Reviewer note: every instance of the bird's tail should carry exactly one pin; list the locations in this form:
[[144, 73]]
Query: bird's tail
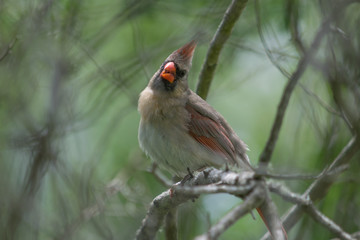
[[264, 218]]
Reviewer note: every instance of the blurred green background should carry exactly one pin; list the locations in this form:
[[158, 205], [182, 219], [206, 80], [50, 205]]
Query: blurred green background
[[70, 76]]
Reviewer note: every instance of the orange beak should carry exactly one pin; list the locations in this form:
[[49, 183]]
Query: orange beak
[[169, 72]]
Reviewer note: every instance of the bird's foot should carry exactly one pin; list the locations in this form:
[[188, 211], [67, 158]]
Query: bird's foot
[[187, 177]]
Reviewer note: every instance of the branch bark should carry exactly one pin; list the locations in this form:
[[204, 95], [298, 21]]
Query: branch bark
[[214, 181], [327, 223], [221, 36]]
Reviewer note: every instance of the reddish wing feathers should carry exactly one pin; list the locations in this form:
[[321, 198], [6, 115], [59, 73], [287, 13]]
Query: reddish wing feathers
[[210, 134]]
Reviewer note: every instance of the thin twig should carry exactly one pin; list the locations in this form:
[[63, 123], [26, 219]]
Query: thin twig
[[8, 49], [264, 43], [301, 49], [294, 26], [322, 103], [160, 177], [327, 223], [335, 84], [304, 177], [222, 34], [269, 53], [287, 195]]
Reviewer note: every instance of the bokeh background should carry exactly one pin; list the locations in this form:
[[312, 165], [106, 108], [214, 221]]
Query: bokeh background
[[70, 76]]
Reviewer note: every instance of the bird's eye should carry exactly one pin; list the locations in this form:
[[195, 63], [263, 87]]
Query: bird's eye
[[181, 73]]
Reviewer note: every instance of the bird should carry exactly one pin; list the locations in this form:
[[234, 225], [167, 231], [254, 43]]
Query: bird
[[179, 130]]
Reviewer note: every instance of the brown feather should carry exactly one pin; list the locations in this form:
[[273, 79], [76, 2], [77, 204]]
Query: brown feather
[[210, 134], [208, 127]]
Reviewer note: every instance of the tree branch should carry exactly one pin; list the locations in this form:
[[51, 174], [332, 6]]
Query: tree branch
[[319, 188], [209, 189], [156, 213], [239, 184], [327, 223], [221, 36], [304, 176], [310, 209], [265, 156], [254, 200]]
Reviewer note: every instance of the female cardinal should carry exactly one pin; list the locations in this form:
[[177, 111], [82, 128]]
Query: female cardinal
[[178, 129]]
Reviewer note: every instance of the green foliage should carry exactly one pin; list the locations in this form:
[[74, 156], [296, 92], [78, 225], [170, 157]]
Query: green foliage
[[70, 76]]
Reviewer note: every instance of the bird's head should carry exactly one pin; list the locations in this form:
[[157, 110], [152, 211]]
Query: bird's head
[[172, 76]]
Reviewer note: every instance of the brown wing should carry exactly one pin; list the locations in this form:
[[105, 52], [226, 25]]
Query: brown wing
[[211, 134]]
